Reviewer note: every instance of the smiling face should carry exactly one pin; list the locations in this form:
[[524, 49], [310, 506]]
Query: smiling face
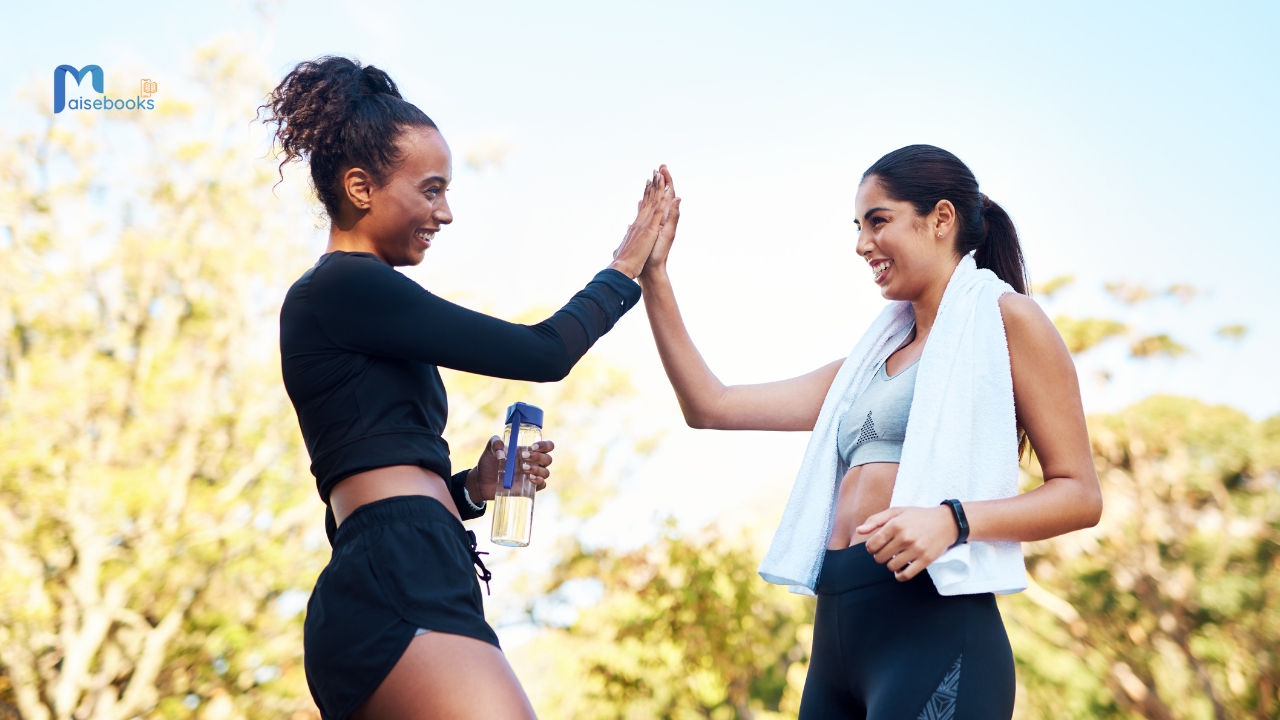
[[909, 253], [403, 215]]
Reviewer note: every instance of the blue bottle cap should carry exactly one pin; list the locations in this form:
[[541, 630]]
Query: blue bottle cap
[[518, 414], [531, 414]]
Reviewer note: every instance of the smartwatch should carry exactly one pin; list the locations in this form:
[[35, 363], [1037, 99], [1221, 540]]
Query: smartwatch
[[961, 521]]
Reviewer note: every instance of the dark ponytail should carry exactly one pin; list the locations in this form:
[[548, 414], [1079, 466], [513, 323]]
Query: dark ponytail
[[338, 114], [923, 175]]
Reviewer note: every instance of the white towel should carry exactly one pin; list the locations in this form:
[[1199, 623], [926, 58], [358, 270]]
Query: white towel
[[961, 442]]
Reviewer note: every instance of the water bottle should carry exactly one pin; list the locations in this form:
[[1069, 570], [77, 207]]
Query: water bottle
[[513, 501]]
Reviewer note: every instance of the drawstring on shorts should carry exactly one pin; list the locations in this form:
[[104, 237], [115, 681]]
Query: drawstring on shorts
[[482, 572]]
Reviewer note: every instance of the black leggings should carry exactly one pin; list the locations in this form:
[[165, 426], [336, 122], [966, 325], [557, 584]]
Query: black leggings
[[889, 650]]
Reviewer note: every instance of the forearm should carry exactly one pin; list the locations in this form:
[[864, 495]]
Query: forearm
[[698, 390], [1059, 506]]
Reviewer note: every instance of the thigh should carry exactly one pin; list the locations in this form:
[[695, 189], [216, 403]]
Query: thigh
[[827, 690], [446, 677], [960, 671]]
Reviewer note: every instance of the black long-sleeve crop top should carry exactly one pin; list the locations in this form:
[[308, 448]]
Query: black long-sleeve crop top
[[360, 345]]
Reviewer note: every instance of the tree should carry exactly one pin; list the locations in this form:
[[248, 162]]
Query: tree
[[685, 628], [1170, 608], [156, 505]]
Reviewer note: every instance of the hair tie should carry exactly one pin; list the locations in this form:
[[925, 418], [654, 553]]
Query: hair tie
[[986, 202]]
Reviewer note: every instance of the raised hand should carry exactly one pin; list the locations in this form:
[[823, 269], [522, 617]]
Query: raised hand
[[637, 244], [667, 233]]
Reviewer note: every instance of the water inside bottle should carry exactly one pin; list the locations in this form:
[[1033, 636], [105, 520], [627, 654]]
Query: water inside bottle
[[512, 518]]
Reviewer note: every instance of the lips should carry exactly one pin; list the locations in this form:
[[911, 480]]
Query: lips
[[880, 269], [425, 237]]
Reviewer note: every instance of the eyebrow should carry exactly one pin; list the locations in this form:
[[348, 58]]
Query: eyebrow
[[434, 178], [867, 215]]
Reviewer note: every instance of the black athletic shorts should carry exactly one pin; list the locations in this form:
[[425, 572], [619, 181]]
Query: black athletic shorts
[[889, 650], [399, 565]]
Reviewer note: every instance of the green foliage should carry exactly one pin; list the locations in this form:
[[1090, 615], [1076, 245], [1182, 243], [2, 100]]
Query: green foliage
[[1233, 332], [1170, 607], [155, 501], [686, 629], [1052, 286], [1082, 334], [1154, 345]]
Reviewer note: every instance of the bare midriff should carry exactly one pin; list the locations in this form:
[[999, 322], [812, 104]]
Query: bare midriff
[[385, 482], [864, 491]]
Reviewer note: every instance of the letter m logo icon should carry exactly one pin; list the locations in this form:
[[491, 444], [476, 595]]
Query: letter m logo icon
[[60, 85]]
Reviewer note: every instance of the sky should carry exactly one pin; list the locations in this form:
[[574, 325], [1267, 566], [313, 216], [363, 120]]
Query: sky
[[1130, 142]]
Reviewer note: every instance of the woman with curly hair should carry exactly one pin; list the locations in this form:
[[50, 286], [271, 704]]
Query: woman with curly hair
[[395, 627]]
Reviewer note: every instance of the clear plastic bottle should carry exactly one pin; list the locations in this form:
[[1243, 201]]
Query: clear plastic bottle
[[513, 501]]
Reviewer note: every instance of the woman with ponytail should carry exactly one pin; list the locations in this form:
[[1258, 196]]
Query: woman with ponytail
[[395, 627], [905, 518]]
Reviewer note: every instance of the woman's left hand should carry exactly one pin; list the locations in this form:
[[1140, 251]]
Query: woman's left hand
[[534, 462], [907, 539]]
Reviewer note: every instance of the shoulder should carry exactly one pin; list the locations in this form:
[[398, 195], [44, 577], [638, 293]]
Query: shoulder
[[339, 263], [345, 272], [1025, 322]]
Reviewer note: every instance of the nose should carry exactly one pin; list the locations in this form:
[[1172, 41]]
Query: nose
[[864, 245], [442, 214]]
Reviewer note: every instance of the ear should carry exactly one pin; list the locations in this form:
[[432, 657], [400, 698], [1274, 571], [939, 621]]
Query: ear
[[358, 187], [943, 219]]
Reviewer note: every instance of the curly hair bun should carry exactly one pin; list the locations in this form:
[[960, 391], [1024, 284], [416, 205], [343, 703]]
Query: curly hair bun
[[338, 114]]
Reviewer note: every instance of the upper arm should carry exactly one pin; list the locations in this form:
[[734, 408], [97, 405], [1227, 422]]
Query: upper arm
[[791, 404], [1046, 391], [377, 311]]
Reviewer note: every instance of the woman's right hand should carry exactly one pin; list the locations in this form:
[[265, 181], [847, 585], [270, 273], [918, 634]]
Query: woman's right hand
[[667, 233], [629, 259]]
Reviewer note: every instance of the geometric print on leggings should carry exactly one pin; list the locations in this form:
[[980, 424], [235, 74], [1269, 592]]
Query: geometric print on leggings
[[942, 706]]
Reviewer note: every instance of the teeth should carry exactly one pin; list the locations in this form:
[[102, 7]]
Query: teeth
[[878, 270]]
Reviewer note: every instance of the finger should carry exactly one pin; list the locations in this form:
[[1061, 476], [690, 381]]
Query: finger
[[875, 522], [901, 560], [496, 447], [915, 568], [673, 214], [894, 546], [536, 458], [544, 446], [534, 471], [538, 483], [667, 175]]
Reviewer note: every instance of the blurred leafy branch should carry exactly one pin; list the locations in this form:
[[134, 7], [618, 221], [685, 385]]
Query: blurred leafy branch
[[1083, 334]]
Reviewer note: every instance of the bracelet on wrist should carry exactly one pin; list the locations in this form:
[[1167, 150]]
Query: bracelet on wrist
[[962, 523], [474, 508]]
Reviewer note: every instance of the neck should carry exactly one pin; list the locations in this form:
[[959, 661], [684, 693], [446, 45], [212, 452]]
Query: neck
[[350, 241], [925, 307]]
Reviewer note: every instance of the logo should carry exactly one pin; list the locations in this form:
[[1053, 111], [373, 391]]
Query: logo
[[97, 81]]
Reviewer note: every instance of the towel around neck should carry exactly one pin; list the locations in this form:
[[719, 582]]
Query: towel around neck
[[961, 441]]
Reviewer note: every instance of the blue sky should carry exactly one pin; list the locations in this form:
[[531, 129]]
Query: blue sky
[[1129, 141]]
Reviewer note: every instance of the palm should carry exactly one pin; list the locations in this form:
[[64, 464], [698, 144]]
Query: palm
[[667, 233]]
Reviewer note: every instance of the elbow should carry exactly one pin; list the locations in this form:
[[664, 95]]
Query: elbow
[[1092, 510], [697, 422], [697, 418], [549, 372]]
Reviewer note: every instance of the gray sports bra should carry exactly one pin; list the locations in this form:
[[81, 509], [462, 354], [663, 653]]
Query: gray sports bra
[[876, 424]]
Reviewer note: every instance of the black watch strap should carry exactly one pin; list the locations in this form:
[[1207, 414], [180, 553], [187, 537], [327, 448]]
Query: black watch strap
[[961, 521]]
